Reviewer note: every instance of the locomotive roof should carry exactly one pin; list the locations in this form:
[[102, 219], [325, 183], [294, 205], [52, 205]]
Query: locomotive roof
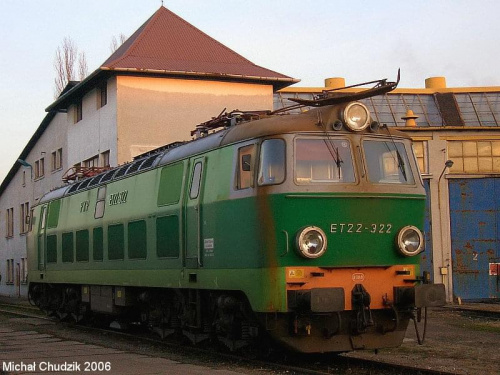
[[265, 127]]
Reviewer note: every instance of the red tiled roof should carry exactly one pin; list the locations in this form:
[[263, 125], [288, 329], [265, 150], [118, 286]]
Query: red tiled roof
[[168, 44]]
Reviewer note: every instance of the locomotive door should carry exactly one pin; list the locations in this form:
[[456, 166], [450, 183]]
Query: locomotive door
[[194, 215], [41, 238]]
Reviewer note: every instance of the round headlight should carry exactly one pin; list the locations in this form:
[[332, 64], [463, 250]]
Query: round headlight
[[311, 242], [410, 241], [357, 116]]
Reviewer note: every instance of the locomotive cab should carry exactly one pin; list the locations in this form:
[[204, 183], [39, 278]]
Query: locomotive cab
[[346, 201]]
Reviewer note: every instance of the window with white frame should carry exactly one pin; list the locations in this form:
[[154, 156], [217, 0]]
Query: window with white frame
[[421, 152], [471, 156]]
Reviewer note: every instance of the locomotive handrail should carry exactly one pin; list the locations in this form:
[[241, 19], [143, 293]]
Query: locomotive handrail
[[287, 247]]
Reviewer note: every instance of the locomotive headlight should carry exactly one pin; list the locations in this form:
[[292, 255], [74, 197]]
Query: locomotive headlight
[[356, 116], [410, 241], [311, 242]]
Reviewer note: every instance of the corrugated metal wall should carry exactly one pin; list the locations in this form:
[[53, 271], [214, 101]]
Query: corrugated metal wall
[[475, 241]]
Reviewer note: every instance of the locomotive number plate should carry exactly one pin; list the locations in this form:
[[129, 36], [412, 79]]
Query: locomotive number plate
[[379, 228]]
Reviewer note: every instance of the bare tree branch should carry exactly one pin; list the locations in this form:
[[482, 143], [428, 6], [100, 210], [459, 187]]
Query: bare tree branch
[[64, 64], [116, 43], [82, 66]]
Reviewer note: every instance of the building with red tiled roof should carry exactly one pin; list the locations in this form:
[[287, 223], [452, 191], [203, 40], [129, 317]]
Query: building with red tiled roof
[[168, 46], [166, 78], [153, 90]]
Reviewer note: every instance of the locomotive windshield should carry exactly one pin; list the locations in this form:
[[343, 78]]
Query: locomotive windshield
[[323, 161], [272, 162], [387, 162]]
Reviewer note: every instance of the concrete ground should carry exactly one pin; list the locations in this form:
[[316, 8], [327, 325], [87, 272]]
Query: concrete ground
[[26, 351], [461, 339]]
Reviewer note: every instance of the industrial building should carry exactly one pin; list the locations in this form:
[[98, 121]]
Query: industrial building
[[144, 95], [460, 125]]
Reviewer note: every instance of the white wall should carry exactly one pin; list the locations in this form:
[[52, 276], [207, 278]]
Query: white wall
[[16, 194], [96, 132]]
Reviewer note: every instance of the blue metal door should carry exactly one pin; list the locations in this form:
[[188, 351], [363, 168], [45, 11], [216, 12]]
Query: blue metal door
[[426, 263], [475, 241]]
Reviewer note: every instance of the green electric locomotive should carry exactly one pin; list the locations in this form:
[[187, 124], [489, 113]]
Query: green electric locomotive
[[305, 228]]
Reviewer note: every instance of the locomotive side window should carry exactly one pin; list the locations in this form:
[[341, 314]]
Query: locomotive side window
[[272, 162], [44, 217], [245, 167], [82, 245], [116, 242], [53, 216], [137, 240], [52, 248], [323, 161], [169, 191], [387, 163], [67, 247], [167, 236], [195, 182], [97, 243]]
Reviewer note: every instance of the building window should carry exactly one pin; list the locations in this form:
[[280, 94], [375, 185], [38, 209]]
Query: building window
[[78, 111], [421, 152], [57, 160], [24, 218], [474, 156], [92, 162], [10, 271], [102, 95], [479, 109], [10, 222], [105, 159], [24, 271], [24, 178], [40, 168]]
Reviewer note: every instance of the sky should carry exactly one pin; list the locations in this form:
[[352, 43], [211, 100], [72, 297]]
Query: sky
[[306, 39]]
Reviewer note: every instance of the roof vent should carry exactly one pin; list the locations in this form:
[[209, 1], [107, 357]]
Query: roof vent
[[410, 118], [335, 82], [435, 83]]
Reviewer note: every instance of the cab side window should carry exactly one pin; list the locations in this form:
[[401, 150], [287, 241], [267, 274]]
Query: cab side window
[[246, 157]]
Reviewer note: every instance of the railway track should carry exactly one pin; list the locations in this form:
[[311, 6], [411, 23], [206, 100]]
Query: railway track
[[278, 362]]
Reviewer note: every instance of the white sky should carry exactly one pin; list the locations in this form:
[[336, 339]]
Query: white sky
[[306, 39]]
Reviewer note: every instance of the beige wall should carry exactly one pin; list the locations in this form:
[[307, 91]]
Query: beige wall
[[155, 111]]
